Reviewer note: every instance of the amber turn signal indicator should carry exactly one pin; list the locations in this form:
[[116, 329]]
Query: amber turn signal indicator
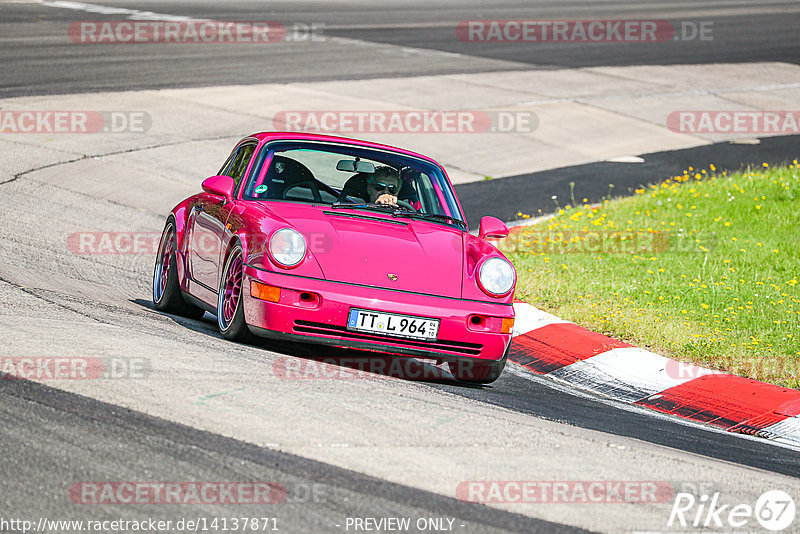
[[507, 327], [264, 291]]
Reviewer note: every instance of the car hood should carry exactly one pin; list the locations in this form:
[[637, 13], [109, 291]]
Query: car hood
[[374, 249]]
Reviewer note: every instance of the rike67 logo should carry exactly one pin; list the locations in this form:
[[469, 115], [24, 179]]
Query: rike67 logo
[[774, 511]]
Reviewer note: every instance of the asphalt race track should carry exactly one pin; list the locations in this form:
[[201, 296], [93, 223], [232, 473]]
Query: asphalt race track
[[50, 418], [745, 32], [189, 406]]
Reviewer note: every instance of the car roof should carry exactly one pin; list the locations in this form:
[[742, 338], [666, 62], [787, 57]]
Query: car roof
[[305, 136]]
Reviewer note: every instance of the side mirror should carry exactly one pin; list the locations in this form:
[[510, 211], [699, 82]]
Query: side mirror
[[221, 186], [492, 227]]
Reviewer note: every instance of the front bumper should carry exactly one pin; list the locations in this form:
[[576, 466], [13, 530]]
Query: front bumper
[[315, 311]]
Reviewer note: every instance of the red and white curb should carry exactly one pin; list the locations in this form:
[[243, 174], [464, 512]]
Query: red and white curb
[[547, 345]]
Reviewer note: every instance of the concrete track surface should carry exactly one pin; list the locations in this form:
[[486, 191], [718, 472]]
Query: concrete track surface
[[199, 408]]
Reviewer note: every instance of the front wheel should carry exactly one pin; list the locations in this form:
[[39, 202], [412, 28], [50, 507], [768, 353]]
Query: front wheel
[[230, 305], [476, 371], [167, 295]]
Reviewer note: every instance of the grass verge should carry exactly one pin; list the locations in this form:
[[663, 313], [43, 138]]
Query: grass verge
[[702, 268]]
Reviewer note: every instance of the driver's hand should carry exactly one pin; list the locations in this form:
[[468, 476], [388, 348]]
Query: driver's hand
[[387, 199]]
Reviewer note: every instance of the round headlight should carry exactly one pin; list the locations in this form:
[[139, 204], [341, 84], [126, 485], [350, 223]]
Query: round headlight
[[496, 276], [287, 247]]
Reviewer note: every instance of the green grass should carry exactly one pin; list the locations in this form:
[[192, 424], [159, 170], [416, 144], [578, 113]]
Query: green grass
[[702, 268]]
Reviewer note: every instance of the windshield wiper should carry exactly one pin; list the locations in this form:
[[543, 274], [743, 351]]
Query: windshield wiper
[[363, 206], [434, 216], [399, 211]]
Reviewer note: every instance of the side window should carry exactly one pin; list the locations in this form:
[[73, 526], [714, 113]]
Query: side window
[[226, 165], [238, 164]]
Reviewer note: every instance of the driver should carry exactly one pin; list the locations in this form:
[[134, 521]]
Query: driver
[[383, 186]]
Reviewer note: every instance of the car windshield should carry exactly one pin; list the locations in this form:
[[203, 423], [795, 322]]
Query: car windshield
[[350, 177]]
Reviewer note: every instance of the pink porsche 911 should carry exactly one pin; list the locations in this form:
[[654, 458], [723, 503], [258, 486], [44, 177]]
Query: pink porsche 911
[[328, 240]]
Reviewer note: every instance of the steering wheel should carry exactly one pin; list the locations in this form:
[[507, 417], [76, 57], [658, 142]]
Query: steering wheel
[[406, 205]]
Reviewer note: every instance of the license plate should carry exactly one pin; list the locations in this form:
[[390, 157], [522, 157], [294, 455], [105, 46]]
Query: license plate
[[392, 324]]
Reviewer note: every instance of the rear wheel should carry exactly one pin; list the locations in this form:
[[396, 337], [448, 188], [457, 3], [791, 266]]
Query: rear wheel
[[230, 305], [476, 371], [167, 295]]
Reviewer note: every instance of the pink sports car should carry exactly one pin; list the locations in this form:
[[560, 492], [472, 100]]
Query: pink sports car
[[328, 240]]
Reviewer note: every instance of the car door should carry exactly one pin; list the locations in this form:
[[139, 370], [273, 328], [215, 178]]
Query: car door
[[207, 223]]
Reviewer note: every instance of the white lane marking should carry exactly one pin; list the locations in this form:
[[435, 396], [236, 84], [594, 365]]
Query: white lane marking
[[745, 141], [133, 14], [626, 159], [627, 374], [405, 51], [528, 318], [569, 389]]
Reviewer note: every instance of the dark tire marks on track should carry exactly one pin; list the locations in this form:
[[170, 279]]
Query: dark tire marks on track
[[53, 439], [534, 398]]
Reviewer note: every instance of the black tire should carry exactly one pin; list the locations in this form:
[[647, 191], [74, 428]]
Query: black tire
[[477, 372], [232, 324], [167, 295]]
